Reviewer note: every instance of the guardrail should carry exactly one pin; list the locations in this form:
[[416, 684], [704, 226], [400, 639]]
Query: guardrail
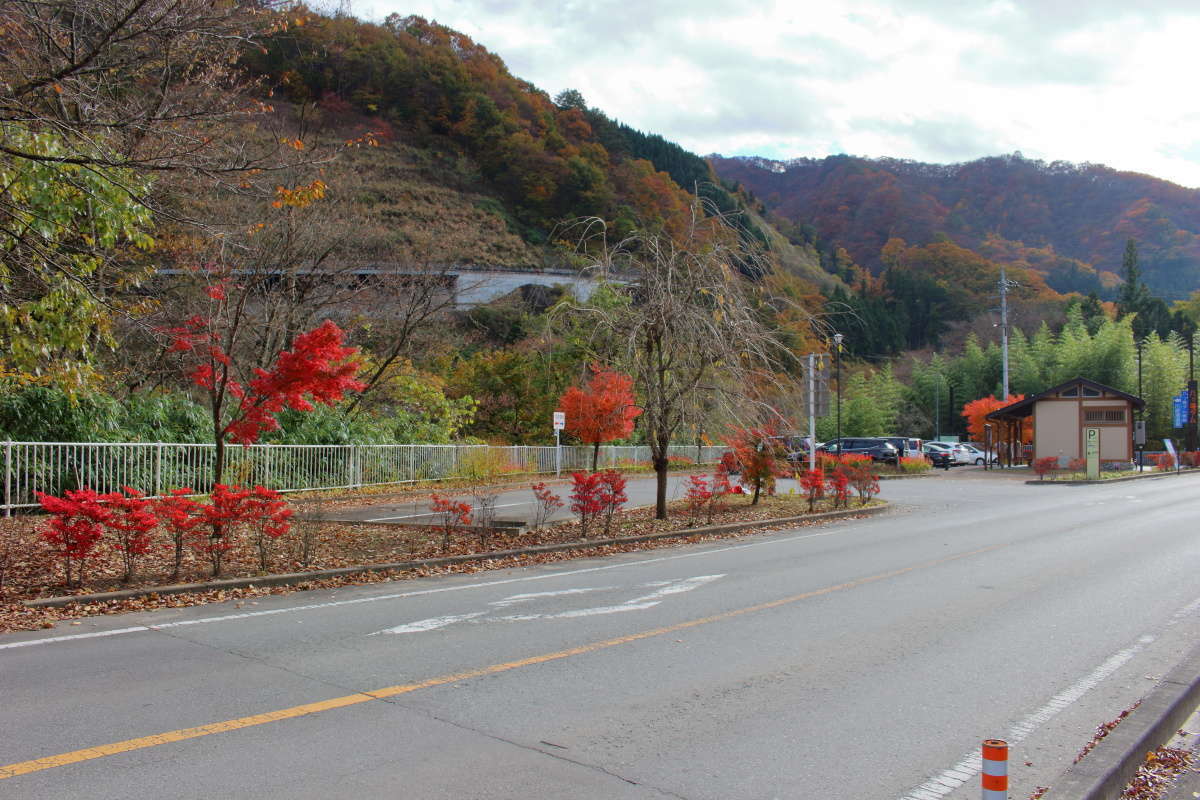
[[158, 467]]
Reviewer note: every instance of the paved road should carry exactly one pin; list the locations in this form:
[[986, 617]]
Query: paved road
[[859, 659]]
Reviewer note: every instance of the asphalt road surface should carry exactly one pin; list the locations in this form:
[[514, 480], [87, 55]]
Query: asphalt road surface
[[859, 659]]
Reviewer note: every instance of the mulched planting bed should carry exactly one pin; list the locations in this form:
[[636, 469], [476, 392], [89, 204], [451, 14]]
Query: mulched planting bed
[[29, 571]]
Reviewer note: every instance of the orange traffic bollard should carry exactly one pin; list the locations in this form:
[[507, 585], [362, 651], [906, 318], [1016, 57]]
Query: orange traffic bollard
[[995, 769]]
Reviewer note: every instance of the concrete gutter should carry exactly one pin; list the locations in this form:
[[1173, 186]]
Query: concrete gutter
[[293, 578], [1105, 772]]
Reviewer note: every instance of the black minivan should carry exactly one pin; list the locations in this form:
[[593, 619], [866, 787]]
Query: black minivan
[[878, 448]]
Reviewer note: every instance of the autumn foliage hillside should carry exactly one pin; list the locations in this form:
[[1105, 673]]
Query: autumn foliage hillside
[[435, 89], [1067, 221]]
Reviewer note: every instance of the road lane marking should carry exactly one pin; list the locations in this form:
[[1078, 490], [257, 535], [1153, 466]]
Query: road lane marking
[[664, 589], [514, 599], [971, 764], [431, 624], [415, 593], [143, 742]]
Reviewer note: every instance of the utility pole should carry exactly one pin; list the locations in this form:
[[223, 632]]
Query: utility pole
[[812, 412], [1141, 411], [1005, 285], [937, 409], [1191, 386], [837, 374]]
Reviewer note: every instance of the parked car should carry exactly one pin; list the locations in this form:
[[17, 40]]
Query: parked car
[[907, 445], [877, 448], [978, 456], [795, 447], [939, 454]]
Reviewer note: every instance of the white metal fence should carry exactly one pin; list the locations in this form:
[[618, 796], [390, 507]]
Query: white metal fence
[[156, 468]]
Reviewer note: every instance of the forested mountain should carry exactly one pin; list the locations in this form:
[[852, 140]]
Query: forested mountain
[[1068, 221], [532, 161]]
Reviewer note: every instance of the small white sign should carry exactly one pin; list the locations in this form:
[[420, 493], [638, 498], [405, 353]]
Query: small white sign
[[560, 420]]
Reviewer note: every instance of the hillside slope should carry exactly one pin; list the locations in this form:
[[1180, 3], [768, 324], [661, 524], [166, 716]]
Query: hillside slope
[[1068, 221]]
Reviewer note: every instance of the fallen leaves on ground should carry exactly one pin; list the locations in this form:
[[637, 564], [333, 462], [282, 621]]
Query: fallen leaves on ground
[[1104, 730], [30, 571], [1158, 773]]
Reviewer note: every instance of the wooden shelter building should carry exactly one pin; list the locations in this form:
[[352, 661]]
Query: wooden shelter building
[[1062, 413]]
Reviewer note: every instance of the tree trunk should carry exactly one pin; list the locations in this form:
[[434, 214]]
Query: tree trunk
[[660, 476], [219, 460], [218, 530], [595, 455]]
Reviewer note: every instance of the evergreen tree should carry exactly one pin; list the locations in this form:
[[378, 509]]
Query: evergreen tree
[[1134, 294]]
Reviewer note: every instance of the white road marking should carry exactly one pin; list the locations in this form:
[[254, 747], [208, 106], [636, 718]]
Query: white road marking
[[430, 624], [665, 589], [416, 593], [636, 604], [512, 600], [940, 785]]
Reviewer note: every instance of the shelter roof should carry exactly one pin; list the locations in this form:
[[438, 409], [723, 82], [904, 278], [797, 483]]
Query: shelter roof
[[1024, 408]]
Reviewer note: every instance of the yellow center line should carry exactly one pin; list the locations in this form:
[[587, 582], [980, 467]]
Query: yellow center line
[[140, 743]]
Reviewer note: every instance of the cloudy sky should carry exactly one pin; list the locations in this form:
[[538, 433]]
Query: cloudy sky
[[1105, 81]]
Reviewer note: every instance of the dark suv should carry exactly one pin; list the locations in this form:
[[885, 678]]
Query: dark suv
[[877, 448], [907, 446]]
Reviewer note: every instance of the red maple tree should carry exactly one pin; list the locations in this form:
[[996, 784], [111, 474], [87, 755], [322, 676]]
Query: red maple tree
[[602, 411], [318, 368]]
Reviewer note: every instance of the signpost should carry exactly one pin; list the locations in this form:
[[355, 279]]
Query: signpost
[[1171, 450], [1091, 449], [560, 422], [818, 401], [1139, 441]]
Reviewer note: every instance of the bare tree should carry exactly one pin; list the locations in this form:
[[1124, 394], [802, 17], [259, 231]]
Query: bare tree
[[693, 331], [139, 84], [112, 105]]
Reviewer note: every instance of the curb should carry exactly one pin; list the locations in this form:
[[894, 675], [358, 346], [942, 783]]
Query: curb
[[1107, 770], [1125, 479], [292, 578]]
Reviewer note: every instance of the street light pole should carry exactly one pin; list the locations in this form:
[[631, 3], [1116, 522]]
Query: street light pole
[[1142, 410], [837, 376]]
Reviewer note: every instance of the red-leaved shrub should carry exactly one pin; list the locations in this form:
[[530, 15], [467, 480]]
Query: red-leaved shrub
[[612, 495], [587, 489], [839, 483], [131, 519], [179, 515], [451, 515], [547, 503], [1043, 465], [75, 526]]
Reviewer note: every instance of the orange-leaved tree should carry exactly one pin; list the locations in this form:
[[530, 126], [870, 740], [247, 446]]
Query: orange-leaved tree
[[976, 411], [761, 455], [602, 411]]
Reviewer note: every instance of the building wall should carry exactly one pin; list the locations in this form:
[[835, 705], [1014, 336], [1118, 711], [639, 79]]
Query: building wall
[[1056, 429], [1115, 444]]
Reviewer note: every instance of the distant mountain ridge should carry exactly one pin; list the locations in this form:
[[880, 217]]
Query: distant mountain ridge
[[1068, 221]]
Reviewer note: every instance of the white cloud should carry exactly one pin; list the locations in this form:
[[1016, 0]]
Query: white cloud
[[935, 80]]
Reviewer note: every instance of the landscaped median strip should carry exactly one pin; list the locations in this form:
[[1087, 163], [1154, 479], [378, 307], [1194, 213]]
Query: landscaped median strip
[[292, 578], [141, 743]]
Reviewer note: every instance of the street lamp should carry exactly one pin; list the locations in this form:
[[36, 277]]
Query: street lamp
[[1138, 341], [837, 377]]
